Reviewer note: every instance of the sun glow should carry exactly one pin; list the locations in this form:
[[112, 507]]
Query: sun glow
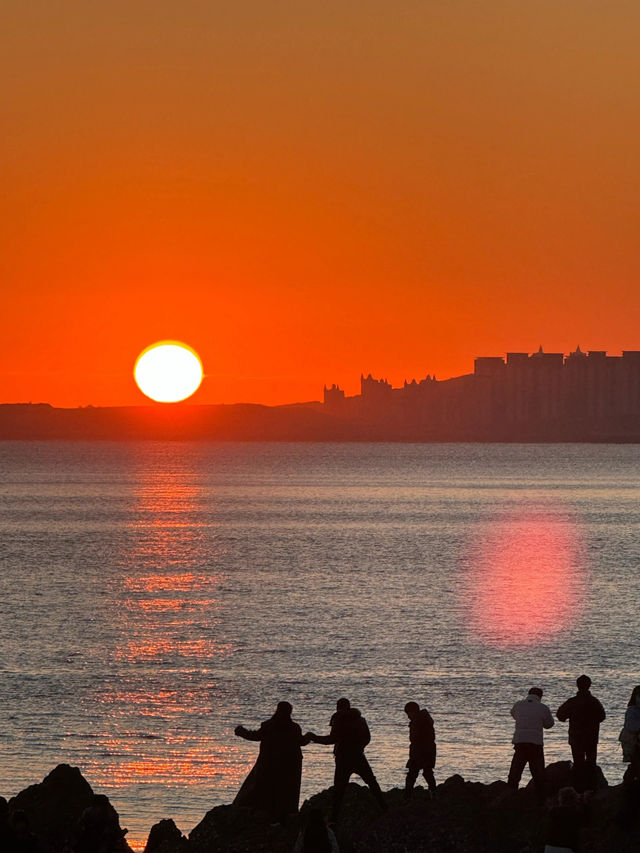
[[168, 371], [527, 579]]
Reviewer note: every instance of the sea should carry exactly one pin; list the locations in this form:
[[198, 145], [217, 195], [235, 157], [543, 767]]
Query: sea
[[153, 596]]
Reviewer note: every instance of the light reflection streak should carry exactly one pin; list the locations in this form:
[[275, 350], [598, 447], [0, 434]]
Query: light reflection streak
[[177, 762], [527, 578], [174, 582], [167, 626], [162, 605], [154, 649]]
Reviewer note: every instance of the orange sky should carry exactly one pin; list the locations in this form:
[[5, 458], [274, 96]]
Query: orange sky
[[303, 191]]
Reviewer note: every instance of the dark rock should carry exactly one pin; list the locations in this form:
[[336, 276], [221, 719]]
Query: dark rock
[[560, 774], [464, 817], [165, 837], [54, 806], [235, 829]]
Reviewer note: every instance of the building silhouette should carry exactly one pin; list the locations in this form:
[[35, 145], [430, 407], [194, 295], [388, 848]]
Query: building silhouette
[[544, 396]]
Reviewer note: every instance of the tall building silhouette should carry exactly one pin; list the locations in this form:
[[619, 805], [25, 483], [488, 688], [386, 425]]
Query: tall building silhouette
[[539, 396]]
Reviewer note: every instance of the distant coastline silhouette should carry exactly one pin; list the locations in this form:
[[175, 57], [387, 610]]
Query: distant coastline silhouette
[[538, 397]]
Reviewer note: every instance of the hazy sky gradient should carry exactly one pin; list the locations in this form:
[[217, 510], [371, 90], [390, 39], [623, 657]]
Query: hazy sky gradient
[[303, 191]]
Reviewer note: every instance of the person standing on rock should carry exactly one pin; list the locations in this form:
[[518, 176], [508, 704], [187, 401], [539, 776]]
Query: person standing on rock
[[585, 713], [349, 735], [531, 717], [422, 748], [273, 785], [630, 737]]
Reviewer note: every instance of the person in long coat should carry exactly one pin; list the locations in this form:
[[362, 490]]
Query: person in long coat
[[273, 784]]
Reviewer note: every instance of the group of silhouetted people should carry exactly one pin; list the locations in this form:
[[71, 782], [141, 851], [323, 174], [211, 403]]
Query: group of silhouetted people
[[273, 785], [584, 713]]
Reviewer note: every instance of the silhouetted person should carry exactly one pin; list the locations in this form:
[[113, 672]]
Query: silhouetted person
[[422, 748], [585, 713], [273, 784], [630, 737], [24, 841], [98, 829], [531, 718], [350, 735], [564, 823], [316, 837], [630, 741]]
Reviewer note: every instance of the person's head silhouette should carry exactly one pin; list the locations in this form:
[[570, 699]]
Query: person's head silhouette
[[412, 709]]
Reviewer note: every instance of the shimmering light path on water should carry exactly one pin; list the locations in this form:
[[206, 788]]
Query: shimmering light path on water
[[153, 596]]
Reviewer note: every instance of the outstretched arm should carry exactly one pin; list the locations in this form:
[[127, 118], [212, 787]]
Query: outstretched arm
[[326, 739], [240, 731]]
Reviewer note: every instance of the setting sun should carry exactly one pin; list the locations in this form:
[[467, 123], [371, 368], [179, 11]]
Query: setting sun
[[168, 371]]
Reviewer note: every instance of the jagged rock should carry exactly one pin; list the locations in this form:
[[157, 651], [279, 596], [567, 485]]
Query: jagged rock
[[165, 837], [560, 774], [235, 829], [464, 817], [54, 806]]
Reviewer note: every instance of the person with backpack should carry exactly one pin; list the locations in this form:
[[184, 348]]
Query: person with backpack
[[350, 736]]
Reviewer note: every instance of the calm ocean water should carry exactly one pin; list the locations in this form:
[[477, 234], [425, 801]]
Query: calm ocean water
[[153, 596]]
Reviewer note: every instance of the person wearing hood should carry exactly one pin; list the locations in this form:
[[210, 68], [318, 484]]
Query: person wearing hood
[[585, 713], [349, 735], [531, 717], [273, 785]]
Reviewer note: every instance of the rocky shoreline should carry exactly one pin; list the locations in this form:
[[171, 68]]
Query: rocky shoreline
[[464, 817]]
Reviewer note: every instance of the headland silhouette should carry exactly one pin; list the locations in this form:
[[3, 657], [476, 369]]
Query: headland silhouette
[[540, 397]]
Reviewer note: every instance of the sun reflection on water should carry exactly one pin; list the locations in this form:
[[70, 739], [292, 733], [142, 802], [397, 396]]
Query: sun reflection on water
[[155, 729], [527, 578], [174, 582]]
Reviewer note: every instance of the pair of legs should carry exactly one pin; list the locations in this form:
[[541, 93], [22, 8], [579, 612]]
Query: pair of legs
[[533, 755], [584, 754], [345, 768], [413, 771]]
